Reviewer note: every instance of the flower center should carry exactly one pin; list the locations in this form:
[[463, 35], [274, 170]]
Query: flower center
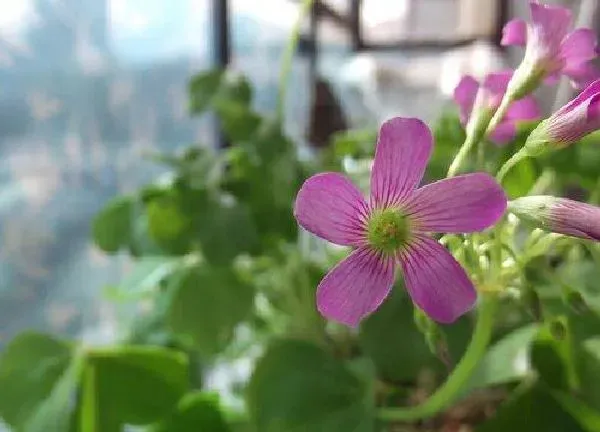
[[388, 230]]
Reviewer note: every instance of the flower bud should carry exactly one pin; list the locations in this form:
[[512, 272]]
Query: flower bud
[[559, 215], [569, 124], [477, 103]]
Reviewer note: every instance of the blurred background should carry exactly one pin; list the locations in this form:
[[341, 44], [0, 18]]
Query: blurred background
[[88, 87]]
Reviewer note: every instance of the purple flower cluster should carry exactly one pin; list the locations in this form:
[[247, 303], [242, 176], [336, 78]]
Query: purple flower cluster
[[392, 228], [551, 48]]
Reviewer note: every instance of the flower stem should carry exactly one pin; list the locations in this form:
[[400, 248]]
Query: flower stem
[[481, 155], [499, 114], [460, 158], [288, 57], [451, 389], [514, 160]]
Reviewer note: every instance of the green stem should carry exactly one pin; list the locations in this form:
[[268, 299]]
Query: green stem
[[499, 114], [497, 249], [460, 158], [288, 57], [451, 389], [514, 160], [544, 182], [481, 155]]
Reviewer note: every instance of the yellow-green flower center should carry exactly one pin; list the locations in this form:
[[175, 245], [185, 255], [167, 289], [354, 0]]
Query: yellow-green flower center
[[388, 230]]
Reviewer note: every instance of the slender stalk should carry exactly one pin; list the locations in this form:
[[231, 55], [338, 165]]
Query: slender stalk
[[453, 386], [463, 152], [288, 57], [514, 160], [481, 155], [497, 249], [499, 114]]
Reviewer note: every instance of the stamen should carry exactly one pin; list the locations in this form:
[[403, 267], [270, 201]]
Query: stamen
[[388, 230]]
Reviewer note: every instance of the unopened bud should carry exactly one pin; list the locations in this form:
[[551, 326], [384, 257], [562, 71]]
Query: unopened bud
[[569, 124], [559, 215]]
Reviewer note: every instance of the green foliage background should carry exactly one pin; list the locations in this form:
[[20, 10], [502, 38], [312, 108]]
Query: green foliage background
[[226, 274]]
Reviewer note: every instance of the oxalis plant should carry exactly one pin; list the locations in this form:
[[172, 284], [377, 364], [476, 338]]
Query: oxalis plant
[[464, 295]]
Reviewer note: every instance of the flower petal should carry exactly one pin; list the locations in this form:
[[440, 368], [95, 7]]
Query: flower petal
[[550, 24], [566, 127], [591, 90], [524, 109], [582, 75], [462, 204], [593, 112], [495, 85], [356, 286], [579, 46], [514, 33], [435, 281], [403, 149], [464, 96], [504, 133], [553, 78], [331, 207], [496, 82]]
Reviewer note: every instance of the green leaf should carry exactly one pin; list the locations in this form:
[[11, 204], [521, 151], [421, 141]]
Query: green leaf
[[235, 88], [238, 121], [553, 357], [391, 338], [131, 385], [449, 135], [531, 409], [298, 387], [356, 143], [196, 412], [270, 143], [142, 244], [112, 227], [588, 418], [203, 88], [207, 304], [506, 361], [225, 230], [56, 412], [34, 377], [168, 225], [143, 279], [590, 371]]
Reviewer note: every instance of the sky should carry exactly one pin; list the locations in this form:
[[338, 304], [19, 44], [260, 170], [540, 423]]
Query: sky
[[150, 29]]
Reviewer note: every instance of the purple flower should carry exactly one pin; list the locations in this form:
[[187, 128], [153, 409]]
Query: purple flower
[[559, 215], [479, 102], [550, 48], [394, 226], [569, 124]]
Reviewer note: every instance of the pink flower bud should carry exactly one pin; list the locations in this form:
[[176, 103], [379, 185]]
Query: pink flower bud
[[559, 215], [569, 124]]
